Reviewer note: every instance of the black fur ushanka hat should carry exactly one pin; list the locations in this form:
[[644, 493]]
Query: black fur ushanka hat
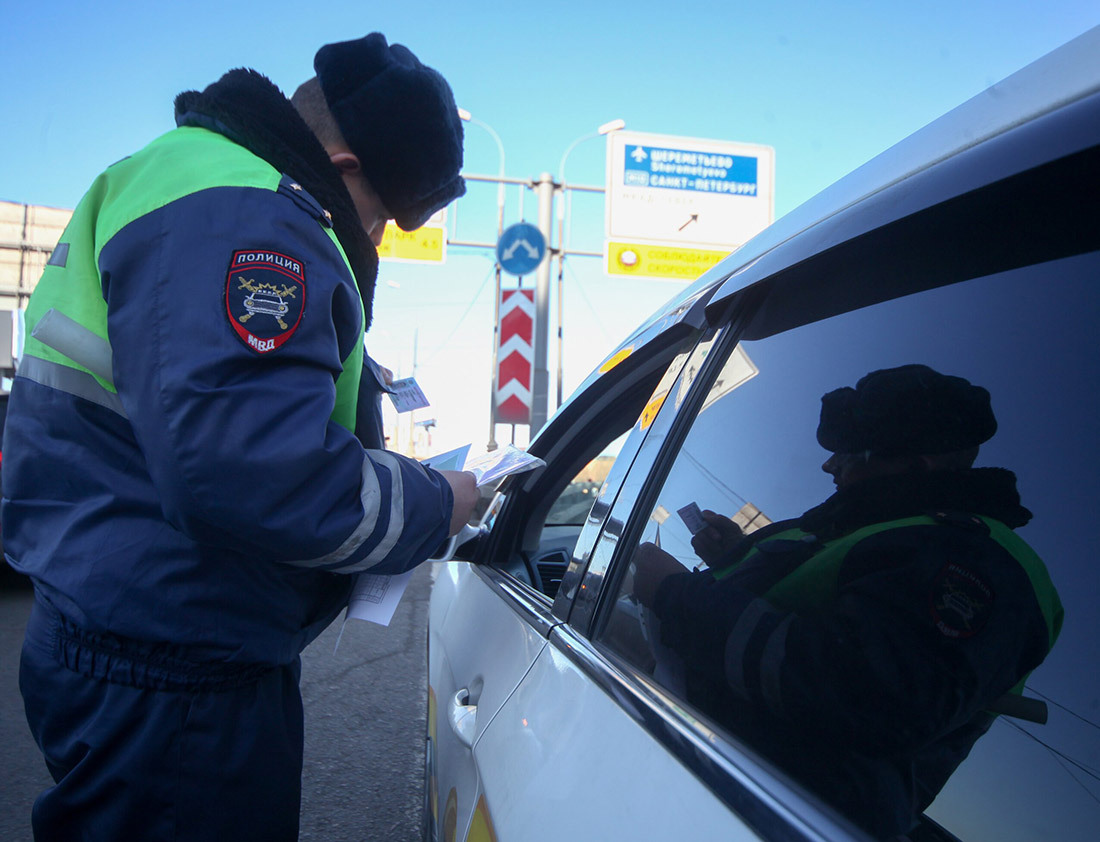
[[911, 410], [400, 119]]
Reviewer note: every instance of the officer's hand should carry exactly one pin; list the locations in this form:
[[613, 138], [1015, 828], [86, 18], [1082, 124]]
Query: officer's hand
[[715, 543], [465, 491]]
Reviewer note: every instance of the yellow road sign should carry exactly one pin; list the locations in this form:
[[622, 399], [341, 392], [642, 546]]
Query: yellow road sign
[[675, 263], [424, 245]]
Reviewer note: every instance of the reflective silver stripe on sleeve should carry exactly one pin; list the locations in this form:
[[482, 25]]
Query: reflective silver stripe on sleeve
[[738, 640], [771, 665], [70, 380], [370, 495], [76, 342], [397, 515]]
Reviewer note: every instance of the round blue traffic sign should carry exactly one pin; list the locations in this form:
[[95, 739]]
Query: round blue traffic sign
[[520, 248]]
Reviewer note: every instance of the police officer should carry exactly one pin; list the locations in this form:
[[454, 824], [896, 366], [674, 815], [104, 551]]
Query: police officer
[[863, 645], [182, 482]]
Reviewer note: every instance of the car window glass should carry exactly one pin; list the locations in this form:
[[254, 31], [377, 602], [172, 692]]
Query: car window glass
[[573, 504], [588, 462], [563, 524], [858, 637]]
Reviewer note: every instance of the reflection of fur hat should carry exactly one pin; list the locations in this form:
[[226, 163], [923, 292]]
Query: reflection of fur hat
[[906, 410], [400, 120]]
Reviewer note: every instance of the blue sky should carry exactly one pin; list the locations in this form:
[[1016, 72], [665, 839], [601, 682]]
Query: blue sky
[[828, 85]]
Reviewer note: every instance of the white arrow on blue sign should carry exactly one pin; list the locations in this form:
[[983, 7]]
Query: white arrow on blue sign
[[520, 248]]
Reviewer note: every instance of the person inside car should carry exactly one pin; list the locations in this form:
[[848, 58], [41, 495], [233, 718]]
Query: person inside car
[[863, 645]]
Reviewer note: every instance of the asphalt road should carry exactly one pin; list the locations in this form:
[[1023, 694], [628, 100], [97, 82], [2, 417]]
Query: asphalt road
[[365, 708]]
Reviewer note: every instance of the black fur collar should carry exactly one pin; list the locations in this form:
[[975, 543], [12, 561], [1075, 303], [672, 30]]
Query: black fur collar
[[250, 110], [981, 491]]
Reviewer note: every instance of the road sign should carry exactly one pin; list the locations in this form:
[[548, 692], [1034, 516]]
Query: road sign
[[427, 244], [520, 248], [515, 355], [648, 260], [688, 197]]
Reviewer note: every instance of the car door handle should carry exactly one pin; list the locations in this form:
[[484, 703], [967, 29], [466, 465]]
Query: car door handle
[[463, 717]]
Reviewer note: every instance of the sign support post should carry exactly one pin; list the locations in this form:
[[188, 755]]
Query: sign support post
[[492, 445], [541, 392]]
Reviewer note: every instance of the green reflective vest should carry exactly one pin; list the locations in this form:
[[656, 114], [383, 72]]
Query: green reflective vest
[[66, 317], [813, 584]]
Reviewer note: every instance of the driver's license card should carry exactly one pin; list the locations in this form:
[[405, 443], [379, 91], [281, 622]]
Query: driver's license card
[[692, 518], [407, 395]]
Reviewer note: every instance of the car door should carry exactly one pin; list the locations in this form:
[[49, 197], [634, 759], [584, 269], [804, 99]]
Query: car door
[[480, 648], [489, 623], [582, 748], [750, 454]]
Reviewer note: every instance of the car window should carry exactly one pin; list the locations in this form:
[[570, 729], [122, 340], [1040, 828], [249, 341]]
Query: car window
[[535, 535], [891, 652], [572, 506]]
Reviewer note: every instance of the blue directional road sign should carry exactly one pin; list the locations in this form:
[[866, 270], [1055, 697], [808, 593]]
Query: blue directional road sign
[[520, 248]]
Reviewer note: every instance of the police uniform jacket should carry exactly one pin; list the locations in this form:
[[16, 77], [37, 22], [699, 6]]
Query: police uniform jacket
[[181, 459], [860, 645]]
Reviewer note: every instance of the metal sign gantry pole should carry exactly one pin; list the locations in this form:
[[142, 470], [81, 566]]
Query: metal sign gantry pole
[[540, 391], [545, 188]]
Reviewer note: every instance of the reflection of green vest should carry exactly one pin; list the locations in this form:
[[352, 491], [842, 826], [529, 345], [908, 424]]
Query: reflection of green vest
[[813, 584], [177, 164]]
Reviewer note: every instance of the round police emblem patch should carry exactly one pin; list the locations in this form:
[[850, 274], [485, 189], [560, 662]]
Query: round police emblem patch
[[961, 601], [265, 295]]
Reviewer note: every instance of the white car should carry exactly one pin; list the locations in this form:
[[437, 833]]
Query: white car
[[556, 711]]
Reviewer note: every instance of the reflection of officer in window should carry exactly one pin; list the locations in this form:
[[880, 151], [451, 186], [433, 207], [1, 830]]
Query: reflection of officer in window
[[863, 644]]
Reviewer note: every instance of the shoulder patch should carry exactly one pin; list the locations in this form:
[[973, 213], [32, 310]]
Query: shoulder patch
[[265, 296], [961, 601]]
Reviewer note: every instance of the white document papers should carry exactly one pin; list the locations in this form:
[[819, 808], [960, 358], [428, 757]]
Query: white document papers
[[374, 598], [452, 460], [500, 463]]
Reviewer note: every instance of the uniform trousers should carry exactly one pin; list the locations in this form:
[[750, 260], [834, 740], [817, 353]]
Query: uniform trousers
[[144, 743]]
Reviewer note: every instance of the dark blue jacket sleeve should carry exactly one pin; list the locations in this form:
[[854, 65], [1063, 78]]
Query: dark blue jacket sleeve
[[239, 442], [368, 414]]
